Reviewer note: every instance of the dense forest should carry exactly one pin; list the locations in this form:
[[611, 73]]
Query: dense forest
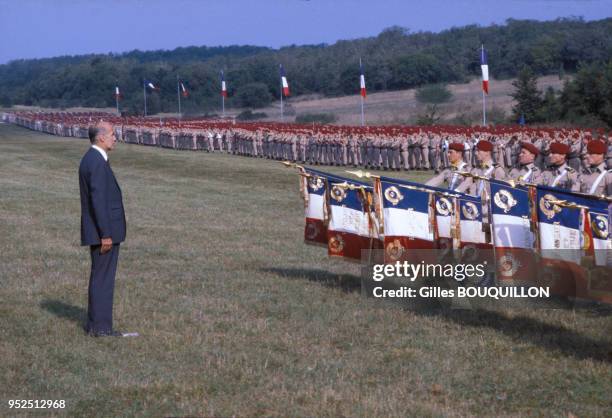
[[395, 59]]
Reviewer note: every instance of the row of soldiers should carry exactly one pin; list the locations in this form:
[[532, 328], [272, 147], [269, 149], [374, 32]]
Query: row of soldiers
[[419, 151], [556, 158], [594, 179]]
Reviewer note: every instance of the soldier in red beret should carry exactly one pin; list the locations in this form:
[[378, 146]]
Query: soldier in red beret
[[527, 171], [450, 176], [485, 168], [559, 173], [596, 179]]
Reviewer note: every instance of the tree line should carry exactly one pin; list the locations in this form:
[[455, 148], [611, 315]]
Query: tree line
[[395, 59]]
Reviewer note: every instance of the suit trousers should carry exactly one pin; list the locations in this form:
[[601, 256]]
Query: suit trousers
[[101, 288]]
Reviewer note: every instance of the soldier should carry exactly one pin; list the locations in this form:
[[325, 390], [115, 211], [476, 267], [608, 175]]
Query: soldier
[[597, 179], [486, 168], [405, 153], [527, 171], [560, 174], [450, 176], [434, 153]]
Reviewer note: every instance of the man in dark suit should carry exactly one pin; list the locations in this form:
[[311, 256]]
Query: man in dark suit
[[103, 227]]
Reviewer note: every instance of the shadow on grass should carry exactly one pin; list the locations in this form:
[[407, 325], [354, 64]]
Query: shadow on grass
[[566, 341], [347, 282], [64, 310], [533, 331]]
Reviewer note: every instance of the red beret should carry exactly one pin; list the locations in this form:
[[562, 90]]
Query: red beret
[[559, 148], [457, 146], [530, 147], [484, 146], [596, 147]]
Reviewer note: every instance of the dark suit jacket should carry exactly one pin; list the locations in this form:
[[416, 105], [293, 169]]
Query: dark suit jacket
[[102, 213]]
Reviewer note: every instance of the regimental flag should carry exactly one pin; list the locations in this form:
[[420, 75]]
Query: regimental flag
[[184, 91], [353, 226], [313, 185], [284, 83], [223, 86], [564, 240], [117, 93], [471, 235], [152, 86], [407, 213], [362, 84], [445, 207], [485, 70], [513, 232], [595, 272]]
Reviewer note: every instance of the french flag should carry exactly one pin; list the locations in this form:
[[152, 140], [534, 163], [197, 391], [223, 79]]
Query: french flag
[[314, 191], [362, 80], [223, 87], [184, 91], [513, 233], [352, 225], [485, 70], [408, 218], [151, 86], [117, 92], [284, 81]]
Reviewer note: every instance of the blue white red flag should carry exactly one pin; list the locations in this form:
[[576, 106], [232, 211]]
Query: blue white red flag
[[353, 226], [117, 92], [362, 84], [284, 83], [184, 91], [484, 66], [513, 232], [223, 86], [314, 188], [150, 85]]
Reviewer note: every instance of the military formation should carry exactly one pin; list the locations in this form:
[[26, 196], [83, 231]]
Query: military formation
[[461, 158]]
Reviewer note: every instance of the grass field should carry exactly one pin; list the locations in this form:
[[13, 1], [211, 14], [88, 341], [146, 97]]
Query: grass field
[[238, 317]]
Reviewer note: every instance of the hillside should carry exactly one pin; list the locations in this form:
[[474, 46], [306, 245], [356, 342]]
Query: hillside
[[401, 107], [395, 60]]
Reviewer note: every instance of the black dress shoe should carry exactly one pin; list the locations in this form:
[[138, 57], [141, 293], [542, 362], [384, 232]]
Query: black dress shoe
[[110, 333]]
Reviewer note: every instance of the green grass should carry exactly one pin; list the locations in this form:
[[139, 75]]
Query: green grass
[[238, 317]]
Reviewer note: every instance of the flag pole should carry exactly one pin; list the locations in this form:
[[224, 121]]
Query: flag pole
[[117, 103], [144, 88], [281, 97], [484, 99], [362, 117], [360, 94], [178, 95], [484, 109]]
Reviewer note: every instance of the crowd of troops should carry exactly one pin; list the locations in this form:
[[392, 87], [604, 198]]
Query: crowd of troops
[[461, 158]]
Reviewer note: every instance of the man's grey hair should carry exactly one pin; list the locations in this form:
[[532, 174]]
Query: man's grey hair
[[95, 131]]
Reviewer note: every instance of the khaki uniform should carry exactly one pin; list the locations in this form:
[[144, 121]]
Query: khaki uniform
[[450, 177], [476, 187], [529, 173], [597, 181], [563, 177]]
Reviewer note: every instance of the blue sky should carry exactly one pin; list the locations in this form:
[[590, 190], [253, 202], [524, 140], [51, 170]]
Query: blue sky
[[45, 28]]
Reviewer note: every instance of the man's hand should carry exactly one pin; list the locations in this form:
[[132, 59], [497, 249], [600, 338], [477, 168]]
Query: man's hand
[[106, 245]]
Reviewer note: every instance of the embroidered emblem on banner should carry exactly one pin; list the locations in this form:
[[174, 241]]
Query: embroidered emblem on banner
[[315, 183], [393, 195], [508, 265], [312, 230], [395, 250], [504, 200], [336, 244], [599, 225], [443, 206], [547, 208], [338, 193], [470, 211]]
